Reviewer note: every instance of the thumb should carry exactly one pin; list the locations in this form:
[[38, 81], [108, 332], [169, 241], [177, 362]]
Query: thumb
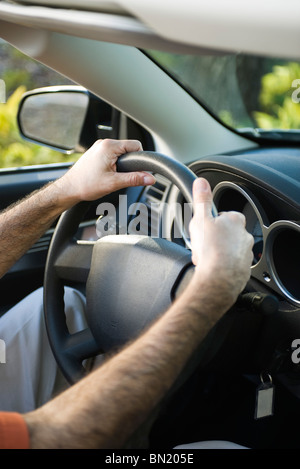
[[202, 198], [136, 178]]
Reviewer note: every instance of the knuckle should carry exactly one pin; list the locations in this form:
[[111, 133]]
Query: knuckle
[[194, 259], [105, 143], [136, 142], [237, 217], [134, 179], [250, 240], [192, 224]]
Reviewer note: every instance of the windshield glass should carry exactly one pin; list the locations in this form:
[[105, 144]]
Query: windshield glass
[[255, 95]]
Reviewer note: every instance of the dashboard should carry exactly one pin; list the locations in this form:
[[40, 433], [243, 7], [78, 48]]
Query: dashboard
[[262, 184]]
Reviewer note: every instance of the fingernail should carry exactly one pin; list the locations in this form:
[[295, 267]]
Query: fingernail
[[201, 185], [149, 180]]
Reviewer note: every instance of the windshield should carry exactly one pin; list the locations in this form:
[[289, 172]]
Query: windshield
[[257, 96]]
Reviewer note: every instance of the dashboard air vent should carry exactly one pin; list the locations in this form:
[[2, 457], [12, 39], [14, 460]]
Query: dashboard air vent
[[149, 209]]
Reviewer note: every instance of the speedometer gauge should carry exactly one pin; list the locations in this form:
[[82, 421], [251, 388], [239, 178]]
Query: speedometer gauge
[[253, 227], [228, 196]]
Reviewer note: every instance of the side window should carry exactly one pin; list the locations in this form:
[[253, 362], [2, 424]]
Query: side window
[[19, 74]]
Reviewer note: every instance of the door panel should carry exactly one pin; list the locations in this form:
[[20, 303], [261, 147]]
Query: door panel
[[27, 274]]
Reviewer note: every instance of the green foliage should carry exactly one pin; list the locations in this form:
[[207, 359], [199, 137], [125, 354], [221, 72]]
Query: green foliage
[[279, 111], [226, 117], [14, 78], [20, 73], [16, 152]]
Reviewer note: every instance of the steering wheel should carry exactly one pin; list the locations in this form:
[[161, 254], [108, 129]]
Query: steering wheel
[[130, 279]]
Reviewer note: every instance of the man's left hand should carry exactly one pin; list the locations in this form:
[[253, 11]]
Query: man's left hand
[[95, 175]]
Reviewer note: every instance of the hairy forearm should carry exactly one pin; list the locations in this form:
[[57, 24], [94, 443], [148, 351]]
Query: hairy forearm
[[23, 223], [103, 410]]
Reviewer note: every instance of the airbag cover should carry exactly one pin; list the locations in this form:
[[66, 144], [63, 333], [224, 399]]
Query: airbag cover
[[130, 283]]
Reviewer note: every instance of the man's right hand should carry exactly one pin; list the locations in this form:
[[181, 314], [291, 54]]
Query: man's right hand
[[221, 246]]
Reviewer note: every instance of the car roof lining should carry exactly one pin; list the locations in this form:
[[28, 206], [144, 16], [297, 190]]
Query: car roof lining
[[108, 27], [261, 28], [103, 6]]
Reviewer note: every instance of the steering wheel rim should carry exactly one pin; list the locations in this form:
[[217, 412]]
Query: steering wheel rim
[[164, 165], [72, 261]]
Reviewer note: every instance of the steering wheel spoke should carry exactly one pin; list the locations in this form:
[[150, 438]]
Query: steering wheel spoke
[[81, 345], [74, 349], [74, 260]]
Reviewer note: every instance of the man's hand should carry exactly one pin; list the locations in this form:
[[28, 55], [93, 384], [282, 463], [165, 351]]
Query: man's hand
[[94, 174], [221, 246]]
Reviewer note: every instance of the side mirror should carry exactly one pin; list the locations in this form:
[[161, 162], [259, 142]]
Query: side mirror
[[67, 119]]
